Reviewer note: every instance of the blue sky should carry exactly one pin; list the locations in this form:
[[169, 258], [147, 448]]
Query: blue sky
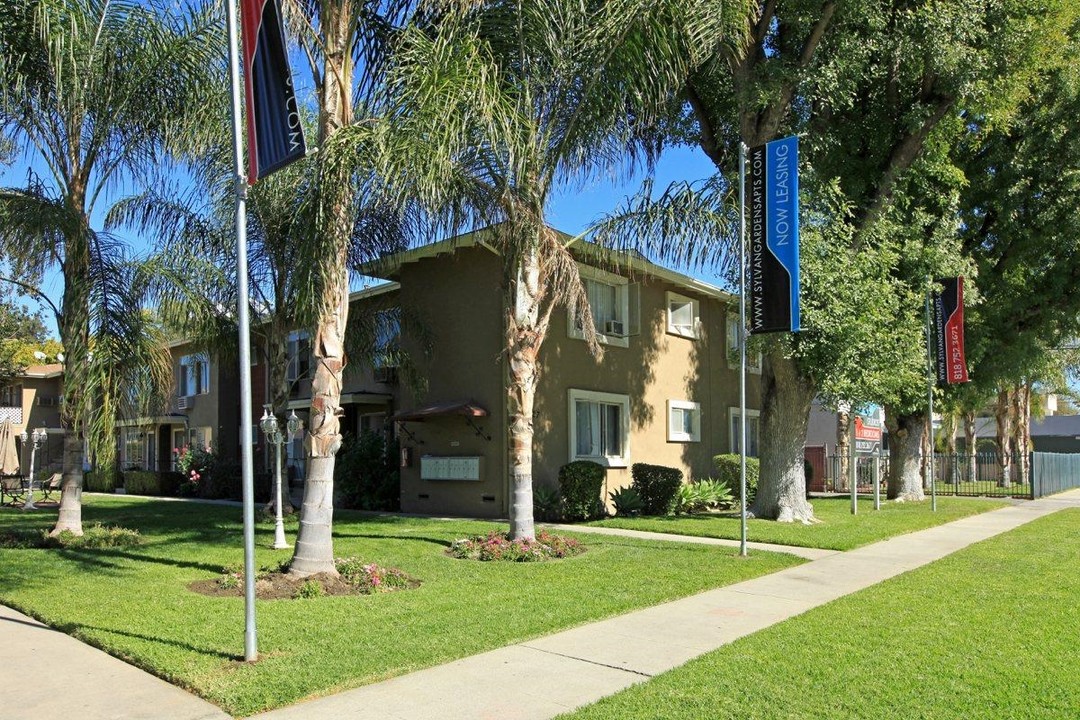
[[571, 210]]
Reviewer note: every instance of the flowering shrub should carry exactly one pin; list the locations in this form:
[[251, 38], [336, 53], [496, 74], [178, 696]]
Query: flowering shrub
[[194, 463], [369, 577], [497, 546]]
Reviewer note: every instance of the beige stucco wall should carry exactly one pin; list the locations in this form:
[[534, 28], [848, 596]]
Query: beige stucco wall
[[654, 368], [459, 300]]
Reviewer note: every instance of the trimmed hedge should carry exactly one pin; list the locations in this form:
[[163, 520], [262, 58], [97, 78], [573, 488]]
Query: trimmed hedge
[[727, 470], [97, 481], [147, 482], [580, 483], [657, 486]]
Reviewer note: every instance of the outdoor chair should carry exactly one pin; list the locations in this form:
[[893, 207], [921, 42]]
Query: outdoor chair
[[11, 487], [52, 485]]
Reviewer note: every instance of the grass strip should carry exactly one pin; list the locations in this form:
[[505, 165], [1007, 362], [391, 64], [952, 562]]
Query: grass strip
[[989, 632], [838, 529], [134, 603]]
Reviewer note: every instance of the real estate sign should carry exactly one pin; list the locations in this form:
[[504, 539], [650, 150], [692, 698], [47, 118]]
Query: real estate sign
[[949, 329], [774, 236], [867, 436]]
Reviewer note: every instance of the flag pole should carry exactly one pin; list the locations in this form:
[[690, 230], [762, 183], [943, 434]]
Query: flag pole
[[930, 398], [742, 348], [251, 649]]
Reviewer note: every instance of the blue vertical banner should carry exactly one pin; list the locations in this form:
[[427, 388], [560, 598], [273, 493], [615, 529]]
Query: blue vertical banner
[[275, 132], [774, 236]]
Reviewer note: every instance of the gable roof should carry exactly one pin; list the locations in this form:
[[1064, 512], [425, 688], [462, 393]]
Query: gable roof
[[389, 267]]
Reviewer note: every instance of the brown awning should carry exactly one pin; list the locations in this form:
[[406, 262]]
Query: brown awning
[[465, 408]]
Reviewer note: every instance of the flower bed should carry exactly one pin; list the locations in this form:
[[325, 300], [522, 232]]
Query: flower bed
[[497, 545]]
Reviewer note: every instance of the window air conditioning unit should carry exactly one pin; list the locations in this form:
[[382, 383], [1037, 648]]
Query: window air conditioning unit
[[614, 327], [183, 403], [386, 375]]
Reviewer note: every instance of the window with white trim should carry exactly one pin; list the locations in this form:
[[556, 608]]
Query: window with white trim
[[200, 437], [133, 448], [600, 427], [683, 315], [753, 359], [609, 301], [753, 431], [684, 421], [194, 375], [298, 347]]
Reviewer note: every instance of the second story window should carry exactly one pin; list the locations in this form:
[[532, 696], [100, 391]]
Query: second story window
[[11, 396], [753, 358], [613, 303], [194, 375], [299, 353], [683, 315]]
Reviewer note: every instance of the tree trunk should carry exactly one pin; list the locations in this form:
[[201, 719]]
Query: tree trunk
[[905, 451], [971, 445], [314, 543], [74, 327], [278, 362], [1003, 420], [1021, 420], [843, 446], [524, 337], [950, 472], [70, 519], [786, 396]]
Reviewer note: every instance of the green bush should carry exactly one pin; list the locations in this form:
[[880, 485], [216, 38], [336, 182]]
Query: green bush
[[98, 481], [148, 482], [223, 481], [580, 483], [727, 470], [701, 495], [367, 473], [657, 486], [547, 503], [627, 502]]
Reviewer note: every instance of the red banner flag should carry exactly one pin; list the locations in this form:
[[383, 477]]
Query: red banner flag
[[949, 326], [275, 131]]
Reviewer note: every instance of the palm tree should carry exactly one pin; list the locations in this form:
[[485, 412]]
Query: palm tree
[[94, 91], [496, 105]]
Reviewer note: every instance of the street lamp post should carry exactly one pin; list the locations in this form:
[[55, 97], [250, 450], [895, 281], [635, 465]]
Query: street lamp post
[[272, 429], [37, 437]]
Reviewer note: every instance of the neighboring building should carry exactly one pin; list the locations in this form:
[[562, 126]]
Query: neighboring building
[[204, 411], [32, 400], [1053, 434]]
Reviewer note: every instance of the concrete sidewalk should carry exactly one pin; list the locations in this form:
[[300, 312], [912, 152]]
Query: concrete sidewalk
[[48, 674], [542, 678], [539, 678]]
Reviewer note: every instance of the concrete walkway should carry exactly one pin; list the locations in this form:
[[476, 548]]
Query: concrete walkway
[[536, 679]]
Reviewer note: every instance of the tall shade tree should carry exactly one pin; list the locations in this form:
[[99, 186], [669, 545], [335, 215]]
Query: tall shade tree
[[498, 104], [93, 92], [868, 84]]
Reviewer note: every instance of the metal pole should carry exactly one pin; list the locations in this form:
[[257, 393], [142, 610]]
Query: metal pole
[[930, 398], [251, 649], [29, 504], [279, 525], [875, 477], [742, 349]]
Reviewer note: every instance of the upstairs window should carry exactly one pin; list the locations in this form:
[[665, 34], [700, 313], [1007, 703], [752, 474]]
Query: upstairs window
[[683, 315], [614, 306], [194, 375], [299, 354]]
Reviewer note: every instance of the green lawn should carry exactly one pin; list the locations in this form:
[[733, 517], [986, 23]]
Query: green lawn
[[989, 632], [838, 529], [134, 603]]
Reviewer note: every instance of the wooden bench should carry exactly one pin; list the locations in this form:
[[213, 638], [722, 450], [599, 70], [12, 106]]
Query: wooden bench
[[13, 487]]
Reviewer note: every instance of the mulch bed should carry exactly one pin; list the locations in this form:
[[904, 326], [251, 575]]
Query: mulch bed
[[280, 586]]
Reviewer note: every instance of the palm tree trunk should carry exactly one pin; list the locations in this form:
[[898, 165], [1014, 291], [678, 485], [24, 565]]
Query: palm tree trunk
[[785, 398], [524, 337], [70, 519], [905, 451], [314, 544], [278, 361], [1003, 420]]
